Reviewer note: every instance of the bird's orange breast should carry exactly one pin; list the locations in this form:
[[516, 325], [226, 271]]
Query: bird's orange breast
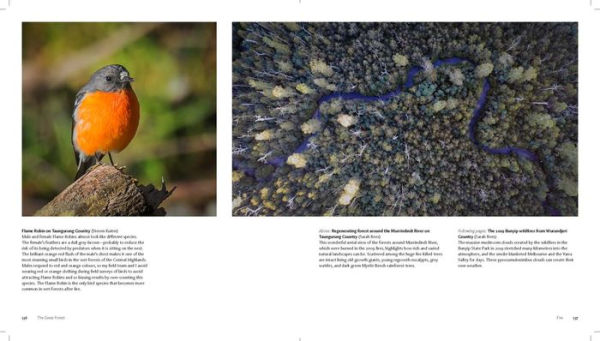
[[106, 121]]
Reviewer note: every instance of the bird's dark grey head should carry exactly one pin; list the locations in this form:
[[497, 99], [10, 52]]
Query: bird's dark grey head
[[110, 78]]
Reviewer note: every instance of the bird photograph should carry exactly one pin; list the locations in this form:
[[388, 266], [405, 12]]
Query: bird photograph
[[106, 117], [119, 119]]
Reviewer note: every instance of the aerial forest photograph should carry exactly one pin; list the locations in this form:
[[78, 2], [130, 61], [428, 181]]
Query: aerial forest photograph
[[405, 119]]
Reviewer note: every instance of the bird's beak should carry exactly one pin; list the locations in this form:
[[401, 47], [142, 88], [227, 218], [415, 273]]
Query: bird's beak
[[125, 77]]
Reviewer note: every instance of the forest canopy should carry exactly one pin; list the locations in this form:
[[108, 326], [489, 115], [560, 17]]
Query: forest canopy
[[405, 119]]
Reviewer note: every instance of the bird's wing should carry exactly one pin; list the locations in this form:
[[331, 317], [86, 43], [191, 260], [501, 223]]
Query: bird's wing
[[78, 98]]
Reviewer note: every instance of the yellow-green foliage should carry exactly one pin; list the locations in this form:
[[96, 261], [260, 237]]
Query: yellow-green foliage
[[287, 125], [400, 60], [321, 82], [529, 74], [505, 59], [451, 103], [292, 26], [311, 126], [568, 185], [259, 85], [350, 191], [334, 106], [399, 158], [568, 152], [439, 106], [318, 66], [483, 70], [456, 76], [297, 160], [285, 66], [346, 120], [281, 92], [237, 176], [264, 135], [428, 69], [541, 120], [305, 89], [570, 90], [264, 193], [515, 75], [237, 202], [324, 178], [560, 107], [278, 46]]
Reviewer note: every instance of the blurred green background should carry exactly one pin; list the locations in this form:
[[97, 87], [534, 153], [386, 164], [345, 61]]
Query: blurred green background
[[174, 66]]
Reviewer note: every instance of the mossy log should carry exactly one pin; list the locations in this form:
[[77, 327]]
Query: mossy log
[[107, 191]]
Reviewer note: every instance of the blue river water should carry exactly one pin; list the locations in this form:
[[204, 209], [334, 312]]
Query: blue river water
[[412, 72]]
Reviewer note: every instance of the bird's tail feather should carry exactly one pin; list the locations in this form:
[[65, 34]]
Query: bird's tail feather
[[85, 162]]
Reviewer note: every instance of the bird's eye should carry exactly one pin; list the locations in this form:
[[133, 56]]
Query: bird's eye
[[108, 78]]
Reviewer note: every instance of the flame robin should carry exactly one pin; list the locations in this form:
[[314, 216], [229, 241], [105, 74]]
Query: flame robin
[[105, 117]]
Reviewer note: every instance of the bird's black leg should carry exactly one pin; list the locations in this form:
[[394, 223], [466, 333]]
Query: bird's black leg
[[99, 157], [121, 168]]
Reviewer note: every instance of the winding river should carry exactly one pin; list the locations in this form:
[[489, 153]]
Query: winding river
[[412, 72]]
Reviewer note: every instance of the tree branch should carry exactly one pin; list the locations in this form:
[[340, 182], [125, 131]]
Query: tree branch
[[106, 191]]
